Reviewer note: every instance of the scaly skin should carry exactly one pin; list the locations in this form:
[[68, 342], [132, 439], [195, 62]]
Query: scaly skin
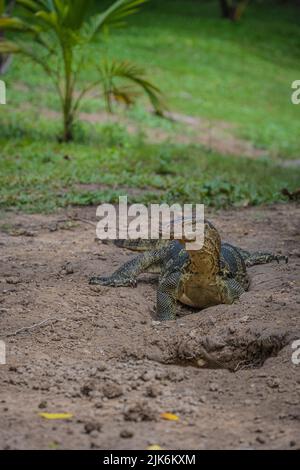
[[215, 274]]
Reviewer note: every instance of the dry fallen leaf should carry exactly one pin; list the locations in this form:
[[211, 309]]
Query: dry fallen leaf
[[56, 415], [154, 447], [169, 416]]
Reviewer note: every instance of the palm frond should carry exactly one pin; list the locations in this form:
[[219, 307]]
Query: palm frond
[[131, 72], [30, 5], [9, 47], [2, 7], [114, 15], [16, 24], [77, 13]]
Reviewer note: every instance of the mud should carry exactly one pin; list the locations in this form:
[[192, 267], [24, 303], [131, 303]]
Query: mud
[[98, 353]]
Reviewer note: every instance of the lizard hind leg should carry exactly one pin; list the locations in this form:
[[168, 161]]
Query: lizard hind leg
[[259, 257]]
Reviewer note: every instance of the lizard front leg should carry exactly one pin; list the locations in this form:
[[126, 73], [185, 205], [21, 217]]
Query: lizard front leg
[[127, 274]]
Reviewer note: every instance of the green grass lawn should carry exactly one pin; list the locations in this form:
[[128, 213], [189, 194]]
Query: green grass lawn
[[240, 74]]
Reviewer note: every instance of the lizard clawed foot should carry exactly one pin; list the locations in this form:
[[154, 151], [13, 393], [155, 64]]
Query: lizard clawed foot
[[126, 283], [277, 258], [282, 258], [108, 281]]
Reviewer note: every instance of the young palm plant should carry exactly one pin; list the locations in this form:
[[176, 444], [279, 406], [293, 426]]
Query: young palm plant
[[59, 33]]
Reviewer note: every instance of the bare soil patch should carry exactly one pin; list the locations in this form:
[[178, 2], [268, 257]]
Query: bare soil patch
[[215, 135], [99, 354]]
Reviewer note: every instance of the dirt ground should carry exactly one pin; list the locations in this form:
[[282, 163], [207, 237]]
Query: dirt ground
[[97, 352]]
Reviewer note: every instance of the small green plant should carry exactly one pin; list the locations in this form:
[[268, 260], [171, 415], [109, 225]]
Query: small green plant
[[60, 31]]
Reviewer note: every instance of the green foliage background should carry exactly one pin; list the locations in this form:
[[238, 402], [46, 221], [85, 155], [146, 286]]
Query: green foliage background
[[237, 73]]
